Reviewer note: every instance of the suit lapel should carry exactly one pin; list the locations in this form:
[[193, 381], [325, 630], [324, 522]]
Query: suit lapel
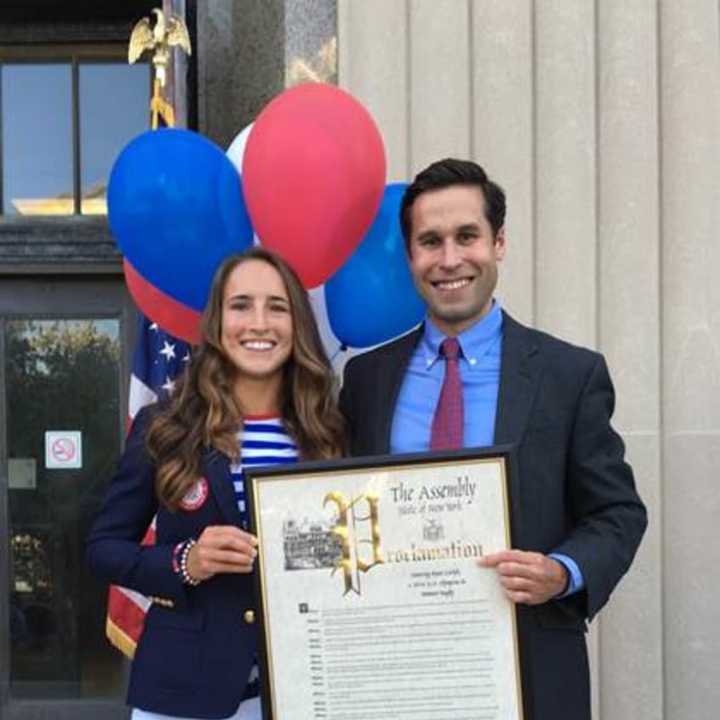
[[388, 388], [519, 375], [217, 470]]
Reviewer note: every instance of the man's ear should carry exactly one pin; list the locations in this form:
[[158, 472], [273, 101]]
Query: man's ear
[[499, 243]]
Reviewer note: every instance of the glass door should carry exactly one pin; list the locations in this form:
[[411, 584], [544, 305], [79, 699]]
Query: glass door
[[63, 369]]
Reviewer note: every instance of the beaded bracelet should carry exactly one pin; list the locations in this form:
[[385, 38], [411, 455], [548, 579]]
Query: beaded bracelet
[[176, 557], [184, 551]]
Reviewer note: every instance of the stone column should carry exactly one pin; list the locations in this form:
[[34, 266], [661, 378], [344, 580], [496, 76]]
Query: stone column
[[249, 51], [690, 259], [629, 334], [502, 123]]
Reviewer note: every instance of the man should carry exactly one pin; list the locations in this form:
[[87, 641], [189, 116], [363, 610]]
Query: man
[[472, 376]]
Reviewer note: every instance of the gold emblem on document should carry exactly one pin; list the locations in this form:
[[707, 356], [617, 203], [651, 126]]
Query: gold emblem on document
[[354, 550]]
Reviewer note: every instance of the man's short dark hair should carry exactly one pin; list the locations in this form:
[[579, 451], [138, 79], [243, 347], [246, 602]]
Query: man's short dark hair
[[446, 173]]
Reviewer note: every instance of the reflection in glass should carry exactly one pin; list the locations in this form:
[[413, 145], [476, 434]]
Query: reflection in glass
[[321, 66], [37, 139], [114, 102], [61, 375]]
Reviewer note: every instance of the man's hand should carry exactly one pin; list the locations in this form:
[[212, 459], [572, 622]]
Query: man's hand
[[222, 549], [528, 577]]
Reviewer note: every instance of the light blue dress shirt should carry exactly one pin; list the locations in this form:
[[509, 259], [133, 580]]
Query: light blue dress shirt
[[479, 365]]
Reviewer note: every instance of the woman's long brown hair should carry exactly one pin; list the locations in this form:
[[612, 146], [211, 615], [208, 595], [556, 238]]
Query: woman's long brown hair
[[202, 413]]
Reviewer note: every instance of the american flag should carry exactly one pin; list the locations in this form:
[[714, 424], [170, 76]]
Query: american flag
[[157, 360]]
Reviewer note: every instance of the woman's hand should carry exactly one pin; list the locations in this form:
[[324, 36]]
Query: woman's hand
[[221, 549]]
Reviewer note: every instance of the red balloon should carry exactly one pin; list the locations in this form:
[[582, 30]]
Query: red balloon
[[313, 177], [172, 316]]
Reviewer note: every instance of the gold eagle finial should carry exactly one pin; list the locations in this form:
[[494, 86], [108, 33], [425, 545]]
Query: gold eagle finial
[[160, 38]]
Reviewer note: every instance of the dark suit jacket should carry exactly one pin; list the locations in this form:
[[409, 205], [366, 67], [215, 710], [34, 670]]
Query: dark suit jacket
[[193, 658], [572, 491]]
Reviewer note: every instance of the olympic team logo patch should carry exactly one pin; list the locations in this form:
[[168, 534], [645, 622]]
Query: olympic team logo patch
[[196, 496]]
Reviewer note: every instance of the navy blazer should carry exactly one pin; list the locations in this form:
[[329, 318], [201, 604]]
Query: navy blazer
[[572, 491], [197, 649]]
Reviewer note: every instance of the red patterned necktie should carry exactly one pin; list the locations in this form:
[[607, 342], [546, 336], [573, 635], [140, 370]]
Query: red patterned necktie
[[447, 424]]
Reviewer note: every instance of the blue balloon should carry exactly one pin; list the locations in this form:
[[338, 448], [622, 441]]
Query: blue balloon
[[372, 297], [176, 209]]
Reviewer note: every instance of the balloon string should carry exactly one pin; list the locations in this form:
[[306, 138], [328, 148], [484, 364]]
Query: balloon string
[[343, 348]]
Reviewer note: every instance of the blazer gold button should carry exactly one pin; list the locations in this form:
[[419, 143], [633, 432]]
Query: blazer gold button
[[249, 616]]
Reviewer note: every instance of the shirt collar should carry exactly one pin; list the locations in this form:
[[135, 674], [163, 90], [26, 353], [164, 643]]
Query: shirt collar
[[474, 342]]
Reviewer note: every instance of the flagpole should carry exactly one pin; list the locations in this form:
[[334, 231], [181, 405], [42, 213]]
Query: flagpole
[[125, 616]]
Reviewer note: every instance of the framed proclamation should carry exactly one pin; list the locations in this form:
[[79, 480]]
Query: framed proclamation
[[371, 603]]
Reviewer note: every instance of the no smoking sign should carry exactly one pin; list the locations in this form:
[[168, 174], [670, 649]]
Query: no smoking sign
[[63, 449]]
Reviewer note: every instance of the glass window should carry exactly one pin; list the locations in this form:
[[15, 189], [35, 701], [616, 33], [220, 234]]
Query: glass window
[[61, 375], [37, 139], [49, 165], [113, 110]]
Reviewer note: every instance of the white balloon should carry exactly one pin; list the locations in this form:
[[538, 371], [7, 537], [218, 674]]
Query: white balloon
[[236, 151]]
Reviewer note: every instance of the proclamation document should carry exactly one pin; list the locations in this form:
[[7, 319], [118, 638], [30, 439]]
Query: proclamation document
[[372, 605]]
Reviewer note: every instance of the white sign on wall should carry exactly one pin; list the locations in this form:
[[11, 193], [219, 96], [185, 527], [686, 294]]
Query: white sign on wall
[[63, 449]]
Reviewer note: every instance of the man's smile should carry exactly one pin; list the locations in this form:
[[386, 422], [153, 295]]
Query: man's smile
[[456, 284]]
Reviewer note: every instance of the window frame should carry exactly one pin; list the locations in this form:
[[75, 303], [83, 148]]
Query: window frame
[[74, 55]]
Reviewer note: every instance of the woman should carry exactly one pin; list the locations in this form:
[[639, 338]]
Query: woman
[[258, 390]]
